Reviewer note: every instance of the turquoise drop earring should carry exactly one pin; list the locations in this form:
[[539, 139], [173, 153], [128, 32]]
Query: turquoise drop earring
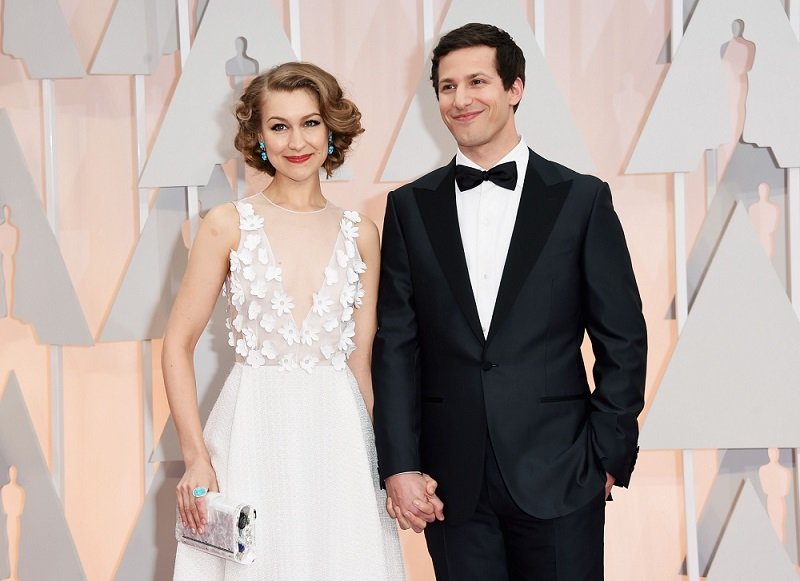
[[330, 143], [263, 149]]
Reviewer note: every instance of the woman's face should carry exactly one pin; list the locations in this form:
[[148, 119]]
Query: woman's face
[[294, 135]]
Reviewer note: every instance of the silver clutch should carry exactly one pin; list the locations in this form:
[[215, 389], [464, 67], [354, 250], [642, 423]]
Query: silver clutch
[[230, 532]]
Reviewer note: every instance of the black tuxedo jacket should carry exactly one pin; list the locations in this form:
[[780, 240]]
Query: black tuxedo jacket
[[441, 387]]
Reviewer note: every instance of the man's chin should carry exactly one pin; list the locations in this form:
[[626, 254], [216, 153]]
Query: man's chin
[[469, 141]]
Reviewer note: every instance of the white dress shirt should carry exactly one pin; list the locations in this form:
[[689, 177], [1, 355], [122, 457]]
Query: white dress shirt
[[486, 216]]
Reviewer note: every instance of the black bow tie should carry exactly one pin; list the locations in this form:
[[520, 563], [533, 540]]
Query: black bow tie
[[504, 175]]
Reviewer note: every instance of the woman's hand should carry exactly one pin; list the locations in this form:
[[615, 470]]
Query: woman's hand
[[193, 511], [434, 501]]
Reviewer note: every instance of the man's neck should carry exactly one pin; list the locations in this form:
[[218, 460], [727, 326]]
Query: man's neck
[[488, 154]]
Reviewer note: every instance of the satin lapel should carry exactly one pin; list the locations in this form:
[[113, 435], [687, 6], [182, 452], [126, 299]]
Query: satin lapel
[[438, 210], [539, 207]]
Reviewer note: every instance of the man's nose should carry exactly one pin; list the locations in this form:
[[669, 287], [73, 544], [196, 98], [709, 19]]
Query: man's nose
[[462, 97]]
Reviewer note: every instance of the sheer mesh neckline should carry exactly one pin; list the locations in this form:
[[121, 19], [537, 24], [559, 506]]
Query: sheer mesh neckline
[[280, 312], [271, 203]]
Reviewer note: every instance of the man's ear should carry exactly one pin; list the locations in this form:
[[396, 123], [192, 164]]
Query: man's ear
[[515, 91]]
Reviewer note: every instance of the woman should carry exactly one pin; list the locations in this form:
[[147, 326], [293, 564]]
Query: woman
[[290, 432]]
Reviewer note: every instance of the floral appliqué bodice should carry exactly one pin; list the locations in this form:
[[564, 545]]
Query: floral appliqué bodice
[[261, 322]]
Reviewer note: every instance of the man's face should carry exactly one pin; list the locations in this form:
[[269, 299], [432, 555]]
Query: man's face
[[476, 108]]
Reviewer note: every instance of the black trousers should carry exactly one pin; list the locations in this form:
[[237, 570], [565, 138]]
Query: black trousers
[[502, 543]]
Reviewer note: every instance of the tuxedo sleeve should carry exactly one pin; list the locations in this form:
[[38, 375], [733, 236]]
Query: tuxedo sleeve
[[613, 314], [394, 358]]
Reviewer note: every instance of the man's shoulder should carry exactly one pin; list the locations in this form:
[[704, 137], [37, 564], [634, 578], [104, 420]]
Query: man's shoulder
[[430, 181], [553, 172]]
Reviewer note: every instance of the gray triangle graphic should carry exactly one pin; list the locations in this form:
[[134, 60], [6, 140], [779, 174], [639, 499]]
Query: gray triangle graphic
[[199, 126], [139, 32], [690, 113], [748, 168], [543, 118], [732, 379], [43, 293], [665, 56], [36, 32], [153, 276], [217, 191], [749, 549], [43, 528], [150, 550], [735, 465], [773, 117]]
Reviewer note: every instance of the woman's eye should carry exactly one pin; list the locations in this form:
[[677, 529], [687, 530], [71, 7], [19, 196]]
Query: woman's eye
[[278, 127], [312, 123]]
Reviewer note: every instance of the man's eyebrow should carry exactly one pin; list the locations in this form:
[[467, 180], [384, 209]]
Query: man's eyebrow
[[469, 76]]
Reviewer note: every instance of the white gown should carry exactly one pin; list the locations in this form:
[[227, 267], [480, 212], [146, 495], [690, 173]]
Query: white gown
[[289, 432]]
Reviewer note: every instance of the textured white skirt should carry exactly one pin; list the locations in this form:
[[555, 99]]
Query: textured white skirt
[[299, 447]]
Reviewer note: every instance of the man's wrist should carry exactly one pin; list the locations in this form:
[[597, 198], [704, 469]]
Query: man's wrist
[[406, 472]]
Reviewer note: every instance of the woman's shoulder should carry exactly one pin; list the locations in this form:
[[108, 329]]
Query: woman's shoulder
[[367, 230], [222, 222], [223, 216]]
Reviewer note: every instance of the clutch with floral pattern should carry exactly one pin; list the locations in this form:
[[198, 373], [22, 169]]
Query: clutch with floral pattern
[[230, 532]]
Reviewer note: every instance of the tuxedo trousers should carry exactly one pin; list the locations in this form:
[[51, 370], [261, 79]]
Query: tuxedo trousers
[[501, 542]]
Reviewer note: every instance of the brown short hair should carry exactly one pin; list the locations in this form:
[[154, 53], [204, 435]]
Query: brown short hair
[[509, 60], [340, 115]]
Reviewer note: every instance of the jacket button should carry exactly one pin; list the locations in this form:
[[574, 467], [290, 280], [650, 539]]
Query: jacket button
[[487, 365]]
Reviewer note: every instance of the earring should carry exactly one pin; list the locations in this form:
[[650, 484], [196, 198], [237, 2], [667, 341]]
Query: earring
[[263, 149], [330, 143]]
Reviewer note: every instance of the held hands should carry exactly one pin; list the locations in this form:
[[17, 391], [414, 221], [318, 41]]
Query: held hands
[[192, 509], [411, 499]]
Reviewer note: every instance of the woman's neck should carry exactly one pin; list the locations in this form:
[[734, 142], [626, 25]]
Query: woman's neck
[[296, 196]]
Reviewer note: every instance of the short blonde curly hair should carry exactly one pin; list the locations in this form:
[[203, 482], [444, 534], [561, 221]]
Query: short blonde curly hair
[[339, 114]]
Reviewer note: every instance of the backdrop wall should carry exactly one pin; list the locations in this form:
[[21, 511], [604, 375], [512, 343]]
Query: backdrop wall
[[608, 61]]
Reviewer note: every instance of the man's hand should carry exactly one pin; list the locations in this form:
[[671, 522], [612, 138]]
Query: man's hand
[[610, 480], [412, 500]]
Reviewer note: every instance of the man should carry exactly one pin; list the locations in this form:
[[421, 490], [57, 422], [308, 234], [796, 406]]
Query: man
[[492, 269]]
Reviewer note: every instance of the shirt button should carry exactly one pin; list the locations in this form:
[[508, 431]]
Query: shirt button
[[485, 276]]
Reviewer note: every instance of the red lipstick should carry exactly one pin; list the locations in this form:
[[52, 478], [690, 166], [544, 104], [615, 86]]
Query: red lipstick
[[298, 158]]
